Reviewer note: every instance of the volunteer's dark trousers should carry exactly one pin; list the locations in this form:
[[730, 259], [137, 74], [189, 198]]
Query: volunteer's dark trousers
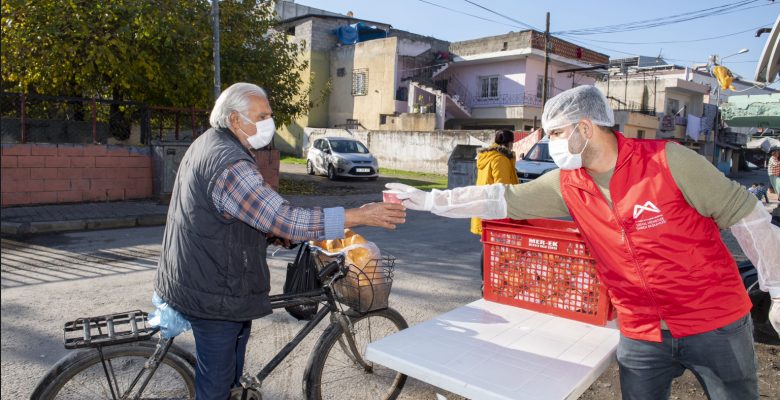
[[723, 360]]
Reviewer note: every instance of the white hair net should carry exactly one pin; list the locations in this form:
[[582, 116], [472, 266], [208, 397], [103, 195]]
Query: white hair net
[[582, 102]]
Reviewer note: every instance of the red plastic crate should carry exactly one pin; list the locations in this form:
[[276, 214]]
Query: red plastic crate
[[543, 265]]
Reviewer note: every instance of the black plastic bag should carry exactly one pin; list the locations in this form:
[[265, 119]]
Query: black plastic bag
[[302, 277]]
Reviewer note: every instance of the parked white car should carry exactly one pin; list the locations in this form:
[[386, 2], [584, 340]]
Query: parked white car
[[536, 162], [341, 157]]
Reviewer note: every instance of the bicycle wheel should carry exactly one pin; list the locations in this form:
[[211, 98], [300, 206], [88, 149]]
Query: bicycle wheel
[[333, 372], [80, 375]]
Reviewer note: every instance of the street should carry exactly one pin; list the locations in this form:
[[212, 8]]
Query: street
[[50, 279]]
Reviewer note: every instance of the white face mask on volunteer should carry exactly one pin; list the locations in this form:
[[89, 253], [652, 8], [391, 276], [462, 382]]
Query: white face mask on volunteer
[[559, 151], [265, 132]]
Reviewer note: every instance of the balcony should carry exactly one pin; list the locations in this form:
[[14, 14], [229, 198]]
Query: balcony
[[507, 99]]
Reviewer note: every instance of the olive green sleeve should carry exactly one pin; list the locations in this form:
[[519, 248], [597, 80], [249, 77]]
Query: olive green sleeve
[[706, 189], [540, 198]]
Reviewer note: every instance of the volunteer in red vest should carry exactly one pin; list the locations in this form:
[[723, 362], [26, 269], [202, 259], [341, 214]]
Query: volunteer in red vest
[[651, 212]]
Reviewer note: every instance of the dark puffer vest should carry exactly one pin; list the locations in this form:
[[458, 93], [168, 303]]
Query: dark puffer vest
[[211, 267]]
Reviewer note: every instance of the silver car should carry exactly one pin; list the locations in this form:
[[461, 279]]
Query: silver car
[[341, 157]]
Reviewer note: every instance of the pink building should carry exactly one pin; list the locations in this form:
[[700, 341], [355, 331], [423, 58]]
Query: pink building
[[496, 82]]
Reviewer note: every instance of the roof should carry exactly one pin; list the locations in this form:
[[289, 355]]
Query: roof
[[350, 20]]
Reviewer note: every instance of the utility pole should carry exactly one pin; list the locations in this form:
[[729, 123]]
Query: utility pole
[[215, 29], [545, 91]]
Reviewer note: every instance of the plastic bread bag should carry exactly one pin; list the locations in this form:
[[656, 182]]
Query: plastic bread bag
[[362, 257], [171, 322]]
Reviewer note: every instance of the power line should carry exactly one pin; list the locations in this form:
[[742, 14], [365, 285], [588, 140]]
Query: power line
[[470, 15], [683, 41], [502, 15], [668, 20]]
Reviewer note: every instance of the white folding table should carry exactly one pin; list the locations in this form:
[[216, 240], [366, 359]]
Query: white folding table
[[486, 350]]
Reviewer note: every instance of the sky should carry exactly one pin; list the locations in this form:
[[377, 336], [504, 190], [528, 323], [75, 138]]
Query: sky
[[684, 43]]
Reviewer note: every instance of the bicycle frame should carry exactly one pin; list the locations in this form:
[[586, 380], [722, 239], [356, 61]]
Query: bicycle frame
[[323, 294], [333, 271]]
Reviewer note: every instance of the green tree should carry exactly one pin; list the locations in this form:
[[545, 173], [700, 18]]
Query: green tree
[[155, 52], [252, 51]]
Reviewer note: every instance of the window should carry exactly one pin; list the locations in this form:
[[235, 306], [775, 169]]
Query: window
[[539, 152], [340, 72], [672, 106], [348, 146], [488, 86], [640, 134], [360, 82], [539, 89]]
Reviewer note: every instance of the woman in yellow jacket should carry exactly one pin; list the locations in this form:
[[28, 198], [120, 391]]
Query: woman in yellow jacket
[[495, 164]]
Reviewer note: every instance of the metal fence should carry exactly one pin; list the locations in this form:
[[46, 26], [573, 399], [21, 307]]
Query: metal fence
[[34, 118], [632, 106]]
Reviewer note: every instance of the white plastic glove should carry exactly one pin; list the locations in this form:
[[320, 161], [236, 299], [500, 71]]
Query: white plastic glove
[[760, 241], [774, 314], [486, 202], [412, 198]]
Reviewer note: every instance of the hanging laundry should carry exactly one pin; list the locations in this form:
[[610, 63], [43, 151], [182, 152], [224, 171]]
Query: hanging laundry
[[694, 127]]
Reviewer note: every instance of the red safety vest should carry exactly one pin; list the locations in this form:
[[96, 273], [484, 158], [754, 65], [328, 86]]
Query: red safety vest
[[658, 257]]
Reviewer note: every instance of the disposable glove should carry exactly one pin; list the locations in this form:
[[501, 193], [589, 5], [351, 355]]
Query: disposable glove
[[774, 314], [486, 202], [760, 241], [412, 197]]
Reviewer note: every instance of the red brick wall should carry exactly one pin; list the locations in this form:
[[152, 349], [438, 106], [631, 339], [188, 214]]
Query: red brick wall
[[68, 173]]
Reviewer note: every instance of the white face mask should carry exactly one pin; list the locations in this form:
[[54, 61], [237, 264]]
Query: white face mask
[[559, 151], [265, 132]]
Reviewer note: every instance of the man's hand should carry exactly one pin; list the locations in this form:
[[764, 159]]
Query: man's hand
[[277, 241], [412, 197], [383, 215], [774, 314]]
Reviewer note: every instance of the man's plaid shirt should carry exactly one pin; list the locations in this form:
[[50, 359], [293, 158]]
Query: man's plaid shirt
[[773, 168], [239, 192]]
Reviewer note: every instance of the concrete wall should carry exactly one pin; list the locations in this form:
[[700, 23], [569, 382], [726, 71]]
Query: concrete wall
[[410, 151], [525, 39], [314, 33], [656, 92], [410, 122], [513, 40], [511, 76], [47, 173], [630, 123], [378, 57]]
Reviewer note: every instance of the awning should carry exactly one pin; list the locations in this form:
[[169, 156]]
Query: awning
[[764, 144], [726, 145]]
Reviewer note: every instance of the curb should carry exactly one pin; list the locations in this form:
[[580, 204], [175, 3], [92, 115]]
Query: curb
[[29, 228]]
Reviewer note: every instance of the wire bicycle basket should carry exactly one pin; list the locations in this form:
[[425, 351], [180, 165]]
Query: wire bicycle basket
[[363, 289], [367, 289]]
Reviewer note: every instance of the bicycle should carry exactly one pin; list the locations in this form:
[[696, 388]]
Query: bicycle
[[116, 358]]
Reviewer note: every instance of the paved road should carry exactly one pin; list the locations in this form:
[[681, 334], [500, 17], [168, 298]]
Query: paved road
[[49, 279]]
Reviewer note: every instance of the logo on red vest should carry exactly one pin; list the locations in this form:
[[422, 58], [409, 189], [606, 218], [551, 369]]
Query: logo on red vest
[[649, 221], [648, 206]]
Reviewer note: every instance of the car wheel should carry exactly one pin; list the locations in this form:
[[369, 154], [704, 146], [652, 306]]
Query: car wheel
[[332, 173], [309, 167]]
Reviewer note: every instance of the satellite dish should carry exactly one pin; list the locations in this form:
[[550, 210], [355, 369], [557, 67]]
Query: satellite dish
[[769, 62]]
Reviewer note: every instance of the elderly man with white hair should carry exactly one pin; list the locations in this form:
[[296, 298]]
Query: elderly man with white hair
[[651, 212], [213, 266]]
